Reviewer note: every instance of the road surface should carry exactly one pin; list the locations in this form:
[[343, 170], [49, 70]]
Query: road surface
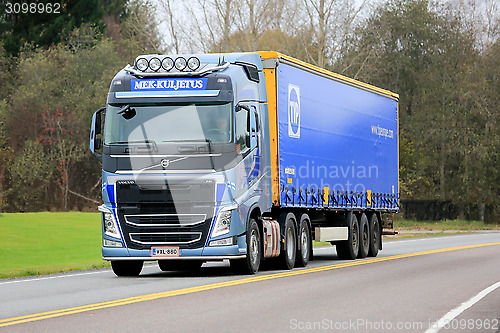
[[409, 287]]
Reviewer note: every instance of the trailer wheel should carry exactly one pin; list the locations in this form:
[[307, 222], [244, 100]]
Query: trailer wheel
[[126, 267], [364, 236], [304, 244], [375, 238], [289, 252], [250, 264], [179, 265], [348, 249]]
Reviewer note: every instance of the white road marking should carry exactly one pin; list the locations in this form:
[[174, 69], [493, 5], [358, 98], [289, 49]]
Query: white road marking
[[52, 277], [447, 318], [100, 270]]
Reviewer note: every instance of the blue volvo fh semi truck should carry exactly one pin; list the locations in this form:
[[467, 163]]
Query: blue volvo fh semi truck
[[243, 157]]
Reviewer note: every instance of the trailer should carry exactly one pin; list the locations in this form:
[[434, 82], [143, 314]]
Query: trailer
[[242, 156]]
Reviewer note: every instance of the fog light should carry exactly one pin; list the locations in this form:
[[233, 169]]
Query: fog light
[[222, 242], [110, 243]]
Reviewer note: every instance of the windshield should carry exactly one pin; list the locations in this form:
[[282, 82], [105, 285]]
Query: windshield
[[168, 123]]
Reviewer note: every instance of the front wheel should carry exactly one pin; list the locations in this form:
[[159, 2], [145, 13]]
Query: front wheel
[[127, 267], [289, 252], [250, 264]]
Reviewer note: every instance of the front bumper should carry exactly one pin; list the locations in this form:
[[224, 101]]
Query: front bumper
[[206, 253]]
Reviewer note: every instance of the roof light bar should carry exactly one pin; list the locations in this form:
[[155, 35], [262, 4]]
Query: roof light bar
[[166, 64]]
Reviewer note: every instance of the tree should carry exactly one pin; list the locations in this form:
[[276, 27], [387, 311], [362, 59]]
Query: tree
[[431, 54], [48, 115]]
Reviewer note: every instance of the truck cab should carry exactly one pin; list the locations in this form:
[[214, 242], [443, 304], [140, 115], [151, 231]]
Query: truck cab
[[183, 164]]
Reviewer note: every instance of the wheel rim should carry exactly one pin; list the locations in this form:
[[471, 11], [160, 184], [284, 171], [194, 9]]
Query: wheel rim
[[254, 247], [289, 243], [375, 235], [304, 243], [366, 238], [355, 235]]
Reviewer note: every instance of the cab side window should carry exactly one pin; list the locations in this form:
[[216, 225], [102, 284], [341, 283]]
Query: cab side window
[[241, 129]]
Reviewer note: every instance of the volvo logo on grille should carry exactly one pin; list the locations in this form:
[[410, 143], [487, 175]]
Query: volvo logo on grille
[[165, 163]]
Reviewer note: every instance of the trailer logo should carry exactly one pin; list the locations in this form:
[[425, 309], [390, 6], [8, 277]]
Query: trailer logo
[[293, 111], [165, 163]]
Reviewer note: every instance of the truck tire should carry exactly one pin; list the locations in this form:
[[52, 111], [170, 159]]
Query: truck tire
[[179, 265], [364, 236], [348, 249], [304, 247], [289, 252], [250, 264], [375, 236], [127, 267]]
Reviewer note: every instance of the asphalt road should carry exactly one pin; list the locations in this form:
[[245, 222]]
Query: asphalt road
[[408, 287]]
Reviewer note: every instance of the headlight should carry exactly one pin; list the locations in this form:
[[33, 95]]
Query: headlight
[[141, 64], [223, 222], [110, 226], [154, 64]]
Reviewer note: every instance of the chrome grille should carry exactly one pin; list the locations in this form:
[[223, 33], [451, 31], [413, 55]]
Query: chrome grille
[[165, 220], [165, 238]]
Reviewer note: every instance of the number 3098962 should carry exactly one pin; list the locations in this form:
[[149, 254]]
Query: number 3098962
[[32, 8]]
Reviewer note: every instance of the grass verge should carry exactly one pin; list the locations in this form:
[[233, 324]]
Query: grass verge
[[43, 243], [459, 225], [420, 229]]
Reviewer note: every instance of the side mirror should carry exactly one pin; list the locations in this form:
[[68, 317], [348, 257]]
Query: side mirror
[[240, 107], [96, 133]]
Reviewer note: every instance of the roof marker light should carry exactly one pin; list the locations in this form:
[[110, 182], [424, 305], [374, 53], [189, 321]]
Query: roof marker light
[[141, 64], [154, 64], [180, 63], [167, 64], [193, 63]]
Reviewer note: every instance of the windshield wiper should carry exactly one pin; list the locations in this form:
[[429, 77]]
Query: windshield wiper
[[193, 140]]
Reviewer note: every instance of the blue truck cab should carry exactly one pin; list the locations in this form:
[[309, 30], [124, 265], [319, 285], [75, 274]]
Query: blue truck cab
[[241, 156]]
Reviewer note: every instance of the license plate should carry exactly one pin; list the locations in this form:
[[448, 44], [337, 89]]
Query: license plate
[[164, 252]]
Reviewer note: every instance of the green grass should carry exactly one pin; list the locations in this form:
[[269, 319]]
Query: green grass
[[444, 225], [43, 243]]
